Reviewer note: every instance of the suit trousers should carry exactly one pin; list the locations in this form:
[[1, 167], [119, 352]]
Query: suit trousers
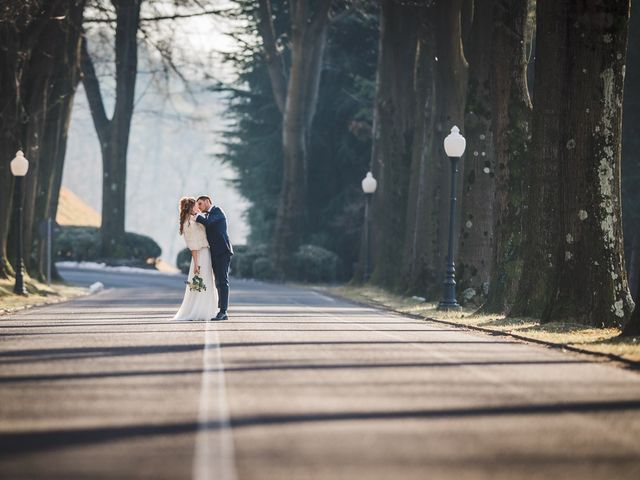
[[220, 264]]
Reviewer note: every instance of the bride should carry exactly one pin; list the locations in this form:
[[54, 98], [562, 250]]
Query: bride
[[196, 305]]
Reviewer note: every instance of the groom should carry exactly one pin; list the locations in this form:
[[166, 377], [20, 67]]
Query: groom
[[215, 224]]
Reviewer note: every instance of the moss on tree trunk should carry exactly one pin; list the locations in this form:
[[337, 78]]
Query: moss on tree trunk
[[574, 249], [478, 183], [511, 109]]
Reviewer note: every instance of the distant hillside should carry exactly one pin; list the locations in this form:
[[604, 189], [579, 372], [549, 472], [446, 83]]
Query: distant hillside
[[73, 211]]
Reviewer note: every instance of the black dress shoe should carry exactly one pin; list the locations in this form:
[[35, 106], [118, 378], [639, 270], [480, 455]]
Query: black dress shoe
[[221, 316]]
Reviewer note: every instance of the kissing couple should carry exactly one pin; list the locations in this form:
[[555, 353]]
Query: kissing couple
[[204, 228]]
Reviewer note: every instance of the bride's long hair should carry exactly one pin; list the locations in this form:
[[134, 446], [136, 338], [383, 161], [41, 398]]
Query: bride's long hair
[[186, 205]]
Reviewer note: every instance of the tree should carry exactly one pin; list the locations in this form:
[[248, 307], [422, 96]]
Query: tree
[[511, 113], [478, 183], [339, 148], [12, 25], [393, 135], [542, 172], [296, 96], [630, 149], [113, 133], [421, 95], [39, 80], [449, 106], [574, 254], [632, 328], [416, 244], [66, 75], [50, 85]]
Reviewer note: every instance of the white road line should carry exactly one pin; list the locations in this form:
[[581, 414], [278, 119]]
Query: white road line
[[324, 297], [214, 456]]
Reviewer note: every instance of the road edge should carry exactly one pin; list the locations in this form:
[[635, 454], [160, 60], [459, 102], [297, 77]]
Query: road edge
[[6, 312], [619, 361]]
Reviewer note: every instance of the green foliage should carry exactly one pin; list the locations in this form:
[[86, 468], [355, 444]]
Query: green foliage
[[263, 269], [84, 244], [340, 143], [183, 260], [77, 244], [316, 264], [197, 284], [244, 258], [312, 264]]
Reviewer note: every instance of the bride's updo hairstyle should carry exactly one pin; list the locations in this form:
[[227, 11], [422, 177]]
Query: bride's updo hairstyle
[[186, 205]]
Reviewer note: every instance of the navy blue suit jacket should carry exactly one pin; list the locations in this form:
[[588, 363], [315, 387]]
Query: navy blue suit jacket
[[215, 225]]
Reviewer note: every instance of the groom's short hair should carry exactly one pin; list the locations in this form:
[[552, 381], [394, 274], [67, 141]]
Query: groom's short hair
[[205, 197]]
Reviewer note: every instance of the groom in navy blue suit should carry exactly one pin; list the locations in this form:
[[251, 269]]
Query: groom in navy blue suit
[[215, 225]]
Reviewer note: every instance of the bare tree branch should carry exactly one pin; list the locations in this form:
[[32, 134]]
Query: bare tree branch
[[320, 15], [94, 95], [176, 16], [275, 65]]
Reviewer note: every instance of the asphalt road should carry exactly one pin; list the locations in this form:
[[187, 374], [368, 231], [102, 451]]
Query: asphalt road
[[296, 385]]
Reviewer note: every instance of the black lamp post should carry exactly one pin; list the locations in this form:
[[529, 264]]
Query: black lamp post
[[369, 186], [19, 168], [454, 146]]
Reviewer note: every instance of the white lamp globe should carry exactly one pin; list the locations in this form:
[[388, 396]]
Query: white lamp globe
[[369, 184], [19, 165], [455, 143]]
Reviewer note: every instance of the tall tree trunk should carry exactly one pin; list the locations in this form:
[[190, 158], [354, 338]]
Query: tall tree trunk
[[632, 328], [633, 264], [66, 75], [394, 128], [38, 93], [511, 112], [114, 133], [28, 54], [296, 98], [415, 242], [574, 255], [478, 185], [541, 194], [631, 165], [451, 83], [631, 152], [10, 101], [590, 286]]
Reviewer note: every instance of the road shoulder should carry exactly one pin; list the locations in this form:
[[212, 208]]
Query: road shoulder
[[603, 343], [40, 294]]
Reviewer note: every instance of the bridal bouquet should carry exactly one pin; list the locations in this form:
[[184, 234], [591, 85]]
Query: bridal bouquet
[[196, 284]]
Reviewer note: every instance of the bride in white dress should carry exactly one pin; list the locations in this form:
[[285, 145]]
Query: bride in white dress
[[196, 305]]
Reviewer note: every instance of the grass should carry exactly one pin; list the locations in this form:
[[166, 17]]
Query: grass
[[600, 340], [38, 294]]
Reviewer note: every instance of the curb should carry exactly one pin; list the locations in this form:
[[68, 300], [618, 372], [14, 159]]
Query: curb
[[629, 364]]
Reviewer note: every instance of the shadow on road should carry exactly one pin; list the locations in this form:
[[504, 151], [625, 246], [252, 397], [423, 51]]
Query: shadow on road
[[12, 443]]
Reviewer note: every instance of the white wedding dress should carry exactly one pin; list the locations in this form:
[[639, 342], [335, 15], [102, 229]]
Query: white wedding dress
[[198, 305]]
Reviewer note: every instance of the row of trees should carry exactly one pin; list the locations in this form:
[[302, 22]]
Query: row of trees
[[538, 92], [338, 142], [39, 74], [44, 55], [540, 220]]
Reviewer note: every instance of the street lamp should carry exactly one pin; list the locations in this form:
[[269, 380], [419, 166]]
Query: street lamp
[[19, 168], [454, 146], [369, 186]]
